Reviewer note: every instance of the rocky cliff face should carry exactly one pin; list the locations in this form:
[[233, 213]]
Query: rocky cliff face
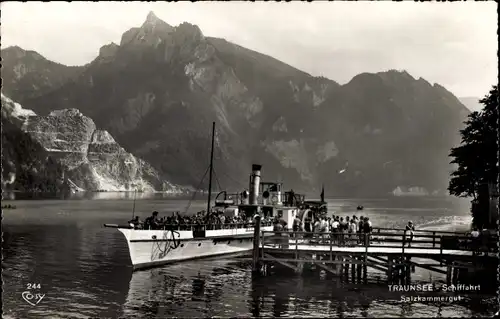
[[159, 90], [90, 158], [26, 165]]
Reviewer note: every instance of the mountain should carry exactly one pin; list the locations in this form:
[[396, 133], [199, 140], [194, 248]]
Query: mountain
[[158, 91], [69, 148], [27, 74], [399, 131], [472, 103]]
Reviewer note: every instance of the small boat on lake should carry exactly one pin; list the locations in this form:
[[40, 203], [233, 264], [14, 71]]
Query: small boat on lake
[[177, 242]]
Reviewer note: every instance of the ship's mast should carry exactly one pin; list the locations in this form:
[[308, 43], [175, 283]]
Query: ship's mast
[[211, 169]]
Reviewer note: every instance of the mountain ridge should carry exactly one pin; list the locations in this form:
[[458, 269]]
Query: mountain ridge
[[158, 92]]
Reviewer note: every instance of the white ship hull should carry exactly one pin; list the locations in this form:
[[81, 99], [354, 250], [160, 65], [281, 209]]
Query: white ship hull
[[150, 248]]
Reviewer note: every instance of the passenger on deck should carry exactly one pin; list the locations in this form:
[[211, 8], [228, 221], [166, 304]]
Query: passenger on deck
[[152, 221], [410, 229], [291, 198], [135, 222]]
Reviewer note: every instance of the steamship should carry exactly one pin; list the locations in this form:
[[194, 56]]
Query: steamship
[[149, 248]]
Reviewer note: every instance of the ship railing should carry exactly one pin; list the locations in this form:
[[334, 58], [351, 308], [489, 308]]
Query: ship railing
[[188, 227]]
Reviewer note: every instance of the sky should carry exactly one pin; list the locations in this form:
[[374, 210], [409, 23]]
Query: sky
[[453, 44]]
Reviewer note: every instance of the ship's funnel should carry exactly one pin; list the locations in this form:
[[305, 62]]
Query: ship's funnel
[[254, 184]]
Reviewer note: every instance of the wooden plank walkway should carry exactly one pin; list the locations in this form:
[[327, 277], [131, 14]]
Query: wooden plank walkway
[[370, 250], [380, 243]]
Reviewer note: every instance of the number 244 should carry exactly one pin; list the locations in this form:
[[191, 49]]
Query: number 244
[[33, 286]]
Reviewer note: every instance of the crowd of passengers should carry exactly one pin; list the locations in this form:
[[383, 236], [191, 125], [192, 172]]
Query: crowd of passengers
[[214, 220], [348, 231]]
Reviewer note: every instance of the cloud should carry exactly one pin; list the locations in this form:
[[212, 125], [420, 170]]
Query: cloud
[[454, 44]]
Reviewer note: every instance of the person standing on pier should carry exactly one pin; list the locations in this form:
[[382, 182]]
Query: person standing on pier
[[361, 229], [296, 225], [317, 226], [475, 240], [325, 227], [342, 231], [335, 229], [307, 228], [353, 226], [367, 225], [347, 228], [410, 228]]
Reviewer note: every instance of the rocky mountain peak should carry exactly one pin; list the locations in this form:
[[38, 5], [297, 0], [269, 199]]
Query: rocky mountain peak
[[16, 52], [189, 31], [151, 33], [156, 24], [108, 50], [152, 18]]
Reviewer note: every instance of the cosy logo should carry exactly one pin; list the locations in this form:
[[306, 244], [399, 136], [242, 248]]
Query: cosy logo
[[31, 296]]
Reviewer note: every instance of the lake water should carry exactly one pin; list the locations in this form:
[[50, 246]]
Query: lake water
[[84, 269]]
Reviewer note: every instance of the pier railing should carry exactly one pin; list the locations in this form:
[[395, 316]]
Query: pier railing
[[383, 239]]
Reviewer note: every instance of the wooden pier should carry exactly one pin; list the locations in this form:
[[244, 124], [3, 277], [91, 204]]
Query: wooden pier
[[388, 251]]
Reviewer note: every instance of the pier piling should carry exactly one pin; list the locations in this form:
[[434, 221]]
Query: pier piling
[[256, 244]]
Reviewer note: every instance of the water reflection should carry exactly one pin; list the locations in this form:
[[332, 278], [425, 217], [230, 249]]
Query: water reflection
[[79, 272], [192, 290], [225, 288]]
